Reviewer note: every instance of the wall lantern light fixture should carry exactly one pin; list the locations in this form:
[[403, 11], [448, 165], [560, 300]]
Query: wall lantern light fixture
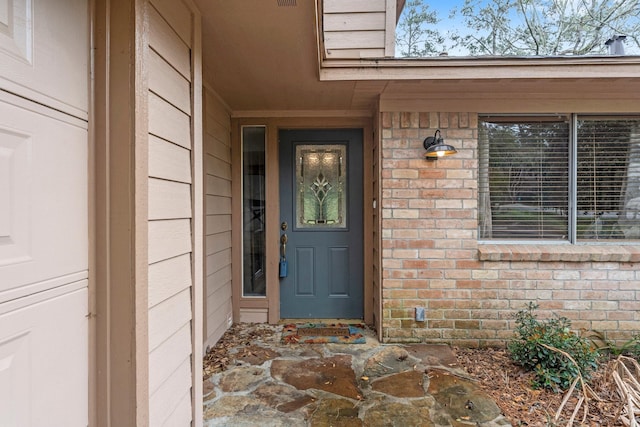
[[436, 147]]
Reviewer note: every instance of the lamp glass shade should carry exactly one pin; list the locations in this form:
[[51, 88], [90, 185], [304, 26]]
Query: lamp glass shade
[[440, 150]]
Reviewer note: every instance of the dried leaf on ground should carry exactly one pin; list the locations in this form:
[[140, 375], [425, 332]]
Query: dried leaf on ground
[[236, 343], [510, 386], [507, 383]]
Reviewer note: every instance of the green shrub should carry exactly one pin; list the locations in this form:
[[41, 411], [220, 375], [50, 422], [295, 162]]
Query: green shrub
[[553, 369], [630, 348]]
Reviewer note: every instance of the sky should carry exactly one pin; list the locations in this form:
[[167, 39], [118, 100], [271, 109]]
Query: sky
[[445, 24]]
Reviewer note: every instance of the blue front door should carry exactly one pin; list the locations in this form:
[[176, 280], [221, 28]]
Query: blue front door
[[321, 215]]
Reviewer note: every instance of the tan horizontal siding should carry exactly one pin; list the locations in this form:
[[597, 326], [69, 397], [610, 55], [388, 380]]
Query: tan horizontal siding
[[354, 21], [178, 18], [169, 161], [165, 41], [217, 144], [218, 279], [168, 239], [169, 277], [168, 122], [182, 415], [355, 53], [168, 357], [217, 165], [217, 223], [217, 242], [169, 199], [167, 83], [354, 40], [218, 186], [217, 205], [164, 401], [167, 317], [216, 320], [218, 298], [345, 6], [218, 260], [356, 29], [174, 177]]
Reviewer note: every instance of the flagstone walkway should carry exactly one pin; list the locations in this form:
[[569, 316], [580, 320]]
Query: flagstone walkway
[[372, 384]]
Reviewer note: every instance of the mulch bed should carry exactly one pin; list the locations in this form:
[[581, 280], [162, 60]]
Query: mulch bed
[[510, 386]]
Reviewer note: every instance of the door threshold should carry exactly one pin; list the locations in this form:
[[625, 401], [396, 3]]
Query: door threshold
[[306, 320]]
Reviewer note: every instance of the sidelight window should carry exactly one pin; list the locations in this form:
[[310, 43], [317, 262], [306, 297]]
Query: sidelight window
[[253, 211]]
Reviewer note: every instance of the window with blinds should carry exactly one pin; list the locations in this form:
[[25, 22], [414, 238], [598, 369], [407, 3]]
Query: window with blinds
[[559, 178], [608, 178]]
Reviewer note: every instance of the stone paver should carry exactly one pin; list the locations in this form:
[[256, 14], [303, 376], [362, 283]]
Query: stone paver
[[372, 384]]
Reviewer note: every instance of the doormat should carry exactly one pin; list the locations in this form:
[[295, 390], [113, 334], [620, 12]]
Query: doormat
[[323, 333]]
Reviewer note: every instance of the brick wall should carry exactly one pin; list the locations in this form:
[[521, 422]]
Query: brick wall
[[431, 257]]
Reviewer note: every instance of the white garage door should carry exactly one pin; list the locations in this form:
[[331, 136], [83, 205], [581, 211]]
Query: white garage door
[[43, 212]]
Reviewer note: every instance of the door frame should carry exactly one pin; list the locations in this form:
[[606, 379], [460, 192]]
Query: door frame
[[267, 309]]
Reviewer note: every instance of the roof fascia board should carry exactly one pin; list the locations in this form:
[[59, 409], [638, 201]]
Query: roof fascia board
[[481, 68]]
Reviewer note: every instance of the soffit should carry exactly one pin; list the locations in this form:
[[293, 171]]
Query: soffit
[[261, 57]]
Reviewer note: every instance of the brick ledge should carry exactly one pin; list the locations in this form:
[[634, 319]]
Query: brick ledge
[[571, 253]]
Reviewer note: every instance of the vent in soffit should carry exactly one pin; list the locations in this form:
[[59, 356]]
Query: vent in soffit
[[286, 2]]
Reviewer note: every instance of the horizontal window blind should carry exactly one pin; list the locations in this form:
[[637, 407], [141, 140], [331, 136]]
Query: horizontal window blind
[[608, 178], [524, 178], [526, 173]]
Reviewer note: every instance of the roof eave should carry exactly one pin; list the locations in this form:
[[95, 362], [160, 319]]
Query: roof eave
[[474, 68]]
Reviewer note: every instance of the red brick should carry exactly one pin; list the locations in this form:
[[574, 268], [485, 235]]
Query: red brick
[[469, 284], [402, 274], [440, 324], [431, 274], [457, 274], [468, 304], [440, 304], [463, 120], [447, 277], [387, 120], [415, 264], [414, 284], [482, 334], [409, 120], [457, 314], [494, 324], [400, 313], [392, 303], [401, 293], [430, 294], [427, 334], [392, 143], [443, 120], [424, 120]]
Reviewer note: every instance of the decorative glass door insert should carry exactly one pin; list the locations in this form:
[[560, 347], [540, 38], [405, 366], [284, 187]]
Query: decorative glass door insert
[[321, 177]]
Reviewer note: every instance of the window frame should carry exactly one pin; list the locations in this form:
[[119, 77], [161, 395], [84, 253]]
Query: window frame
[[572, 205]]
